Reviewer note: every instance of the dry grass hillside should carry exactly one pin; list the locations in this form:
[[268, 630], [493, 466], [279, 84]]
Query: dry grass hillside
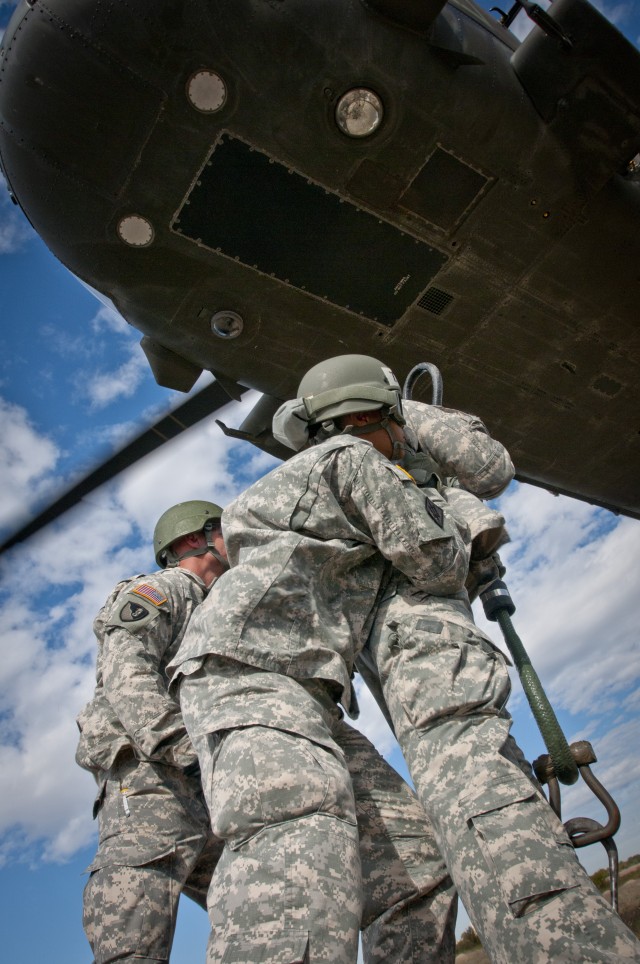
[[469, 950]]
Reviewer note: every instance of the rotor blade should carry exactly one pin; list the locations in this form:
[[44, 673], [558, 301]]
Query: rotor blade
[[197, 407]]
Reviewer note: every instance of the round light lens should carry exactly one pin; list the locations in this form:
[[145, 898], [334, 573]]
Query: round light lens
[[359, 112], [227, 324], [206, 91], [135, 231]]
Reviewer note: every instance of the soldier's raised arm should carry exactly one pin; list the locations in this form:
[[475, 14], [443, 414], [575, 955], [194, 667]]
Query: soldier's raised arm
[[461, 445]]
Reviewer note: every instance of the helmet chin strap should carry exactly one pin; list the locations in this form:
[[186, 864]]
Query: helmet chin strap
[[397, 447], [329, 428], [208, 531]]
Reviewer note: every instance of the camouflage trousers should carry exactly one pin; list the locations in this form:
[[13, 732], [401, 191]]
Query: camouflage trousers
[[288, 885], [515, 869], [155, 843]]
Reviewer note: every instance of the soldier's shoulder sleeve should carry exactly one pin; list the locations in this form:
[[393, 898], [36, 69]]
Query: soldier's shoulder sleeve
[[462, 447], [399, 472], [138, 604]]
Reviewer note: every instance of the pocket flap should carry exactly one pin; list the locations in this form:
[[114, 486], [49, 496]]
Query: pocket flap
[[292, 949], [130, 850], [499, 794]]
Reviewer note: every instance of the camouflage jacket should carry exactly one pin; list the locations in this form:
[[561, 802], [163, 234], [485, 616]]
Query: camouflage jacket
[[138, 632], [472, 466], [308, 545], [461, 446]]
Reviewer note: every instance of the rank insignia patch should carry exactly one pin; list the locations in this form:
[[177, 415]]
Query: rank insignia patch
[[132, 612], [434, 511], [149, 593]]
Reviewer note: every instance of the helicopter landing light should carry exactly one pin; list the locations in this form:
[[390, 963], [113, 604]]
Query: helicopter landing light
[[207, 91], [135, 231], [359, 112], [227, 324]]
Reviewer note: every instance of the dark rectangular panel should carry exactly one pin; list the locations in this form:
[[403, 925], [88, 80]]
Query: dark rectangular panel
[[443, 190], [251, 208]]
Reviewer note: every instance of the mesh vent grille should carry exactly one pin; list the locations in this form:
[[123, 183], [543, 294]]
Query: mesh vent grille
[[435, 300]]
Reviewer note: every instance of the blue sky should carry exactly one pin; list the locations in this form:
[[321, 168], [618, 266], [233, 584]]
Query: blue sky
[[74, 384]]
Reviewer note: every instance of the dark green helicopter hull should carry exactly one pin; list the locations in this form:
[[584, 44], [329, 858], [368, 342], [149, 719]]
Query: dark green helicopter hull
[[491, 223]]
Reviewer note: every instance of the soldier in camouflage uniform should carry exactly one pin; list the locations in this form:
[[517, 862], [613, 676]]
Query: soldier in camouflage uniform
[[446, 687], [409, 902], [266, 661], [155, 839]]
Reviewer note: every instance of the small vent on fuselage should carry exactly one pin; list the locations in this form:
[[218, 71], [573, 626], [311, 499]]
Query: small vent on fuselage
[[435, 300]]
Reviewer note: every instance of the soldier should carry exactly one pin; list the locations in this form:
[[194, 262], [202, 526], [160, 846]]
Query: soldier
[[155, 839], [266, 660], [446, 687], [409, 902]]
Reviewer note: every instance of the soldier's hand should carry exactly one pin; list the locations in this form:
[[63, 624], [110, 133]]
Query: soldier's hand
[[482, 572]]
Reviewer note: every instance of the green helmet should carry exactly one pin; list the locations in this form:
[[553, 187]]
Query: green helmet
[[337, 386], [181, 520], [349, 383]]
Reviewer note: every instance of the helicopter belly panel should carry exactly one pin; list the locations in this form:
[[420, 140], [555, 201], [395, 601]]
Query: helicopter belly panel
[[248, 207]]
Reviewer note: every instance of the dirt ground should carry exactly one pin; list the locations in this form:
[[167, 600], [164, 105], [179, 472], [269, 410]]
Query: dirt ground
[[628, 908]]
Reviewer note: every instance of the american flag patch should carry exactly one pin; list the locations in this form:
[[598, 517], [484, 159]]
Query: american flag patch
[[150, 594]]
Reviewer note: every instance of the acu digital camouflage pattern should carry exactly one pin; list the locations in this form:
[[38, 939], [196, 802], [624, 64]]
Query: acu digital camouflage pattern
[[287, 886], [136, 639], [460, 446], [155, 839], [155, 843], [470, 466], [515, 869], [446, 686], [263, 662], [409, 901], [309, 545]]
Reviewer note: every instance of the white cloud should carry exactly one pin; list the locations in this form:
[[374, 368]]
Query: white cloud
[[53, 586], [109, 320], [103, 388], [576, 614], [618, 770], [15, 230], [569, 569], [26, 456], [371, 721]]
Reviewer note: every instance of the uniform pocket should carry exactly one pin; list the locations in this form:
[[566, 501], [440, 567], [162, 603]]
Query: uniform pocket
[[524, 844], [130, 850], [293, 949], [265, 776], [441, 669]]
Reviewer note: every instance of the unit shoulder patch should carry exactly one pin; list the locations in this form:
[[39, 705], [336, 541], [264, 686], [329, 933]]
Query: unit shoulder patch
[[434, 511], [137, 607], [132, 612]]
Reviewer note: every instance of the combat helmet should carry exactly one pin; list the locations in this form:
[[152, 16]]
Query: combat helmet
[[337, 386], [346, 384], [181, 520]]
